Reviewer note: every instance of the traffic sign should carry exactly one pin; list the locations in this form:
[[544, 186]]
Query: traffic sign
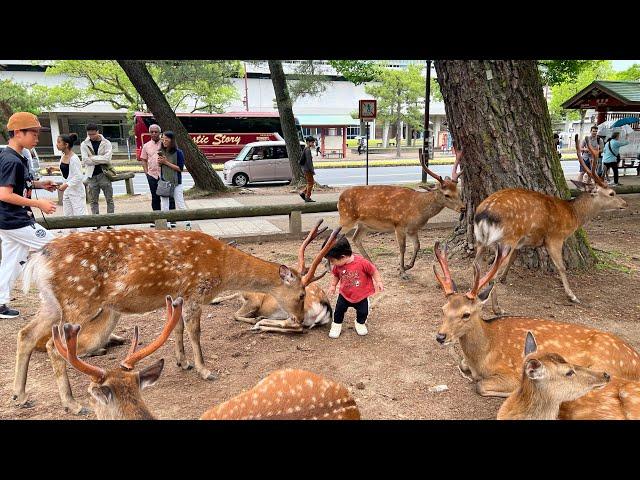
[[368, 110]]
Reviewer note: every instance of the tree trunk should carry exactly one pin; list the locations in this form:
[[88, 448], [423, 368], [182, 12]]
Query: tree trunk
[[503, 127], [385, 134], [583, 113], [204, 176], [409, 136], [287, 120]]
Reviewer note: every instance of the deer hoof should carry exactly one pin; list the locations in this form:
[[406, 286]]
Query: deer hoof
[[115, 340], [574, 299], [499, 311], [184, 365], [77, 409], [404, 276], [207, 374], [97, 353], [21, 401]]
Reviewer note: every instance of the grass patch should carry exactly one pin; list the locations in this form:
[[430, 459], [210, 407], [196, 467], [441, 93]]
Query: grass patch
[[607, 261]]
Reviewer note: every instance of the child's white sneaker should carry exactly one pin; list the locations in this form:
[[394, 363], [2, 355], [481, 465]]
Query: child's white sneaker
[[361, 328], [336, 328]]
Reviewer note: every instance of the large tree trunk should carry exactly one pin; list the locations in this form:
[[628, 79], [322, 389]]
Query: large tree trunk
[[385, 134], [503, 127], [204, 176], [287, 120]]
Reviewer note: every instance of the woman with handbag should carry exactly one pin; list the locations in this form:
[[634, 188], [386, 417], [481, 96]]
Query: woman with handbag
[[171, 161]]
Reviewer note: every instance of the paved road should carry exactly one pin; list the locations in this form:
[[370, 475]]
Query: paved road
[[337, 177]]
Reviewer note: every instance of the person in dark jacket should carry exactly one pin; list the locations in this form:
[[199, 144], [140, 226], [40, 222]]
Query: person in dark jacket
[[306, 164]]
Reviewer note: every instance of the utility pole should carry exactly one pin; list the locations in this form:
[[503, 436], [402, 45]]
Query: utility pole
[[246, 88]]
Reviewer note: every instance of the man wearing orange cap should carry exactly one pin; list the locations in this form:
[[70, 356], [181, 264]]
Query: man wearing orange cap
[[18, 229]]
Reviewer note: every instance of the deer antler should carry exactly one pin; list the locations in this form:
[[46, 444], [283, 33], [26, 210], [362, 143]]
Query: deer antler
[[448, 285], [174, 314], [593, 175], [309, 276], [479, 283], [313, 234], [423, 163], [69, 350], [454, 173]]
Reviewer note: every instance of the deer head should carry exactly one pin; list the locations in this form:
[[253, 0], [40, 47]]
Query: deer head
[[462, 309], [116, 393], [558, 380], [446, 189], [603, 197]]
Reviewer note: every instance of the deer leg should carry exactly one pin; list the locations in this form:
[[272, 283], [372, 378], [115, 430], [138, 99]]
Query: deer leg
[[59, 365], [480, 249], [401, 237], [218, 300], [416, 247], [495, 386], [246, 313], [28, 337], [178, 335], [283, 326], [191, 313], [357, 240], [555, 252], [512, 256], [115, 340]]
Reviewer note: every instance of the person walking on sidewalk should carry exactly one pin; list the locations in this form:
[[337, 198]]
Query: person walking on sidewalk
[[611, 156], [18, 229], [306, 164]]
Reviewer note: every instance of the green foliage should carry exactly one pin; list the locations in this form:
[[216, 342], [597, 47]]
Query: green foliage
[[560, 93], [631, 74], [403, 91], [308, 80], [207, 83], [357, 71], [556, 72], [18, 97]]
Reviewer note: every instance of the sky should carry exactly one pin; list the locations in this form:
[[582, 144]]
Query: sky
[[619, 65]]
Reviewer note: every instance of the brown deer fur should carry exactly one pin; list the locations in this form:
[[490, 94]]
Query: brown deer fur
[[94, 277], [383, 208], [492, 351]]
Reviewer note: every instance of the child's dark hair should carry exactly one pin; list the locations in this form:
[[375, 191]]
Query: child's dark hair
[[92, 127], [70, 139], [342, 248]]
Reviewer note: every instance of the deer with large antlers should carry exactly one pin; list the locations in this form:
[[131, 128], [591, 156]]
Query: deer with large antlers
[[257, 306], [95, 277], [518, 218], [284, 394], [491, 348], [384, 208]]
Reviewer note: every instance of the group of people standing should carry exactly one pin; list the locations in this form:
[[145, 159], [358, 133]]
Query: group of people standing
[[608, 151]]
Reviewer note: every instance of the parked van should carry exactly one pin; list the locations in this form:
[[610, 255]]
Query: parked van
[[259, 162]]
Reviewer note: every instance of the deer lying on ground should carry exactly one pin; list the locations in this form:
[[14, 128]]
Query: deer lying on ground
[[94, 277], [284, 394], [257, 306], [519, 218], [491, 348], [384, 208], [547, 381], [553, 388]]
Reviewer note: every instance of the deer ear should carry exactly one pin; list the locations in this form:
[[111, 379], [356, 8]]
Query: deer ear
[[150, 375], [534, 369], [530, 344], [101, 393], [287, 275], [483, 296]]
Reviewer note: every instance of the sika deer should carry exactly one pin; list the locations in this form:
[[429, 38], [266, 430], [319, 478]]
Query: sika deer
[[384, 208], [519, 218], [284, 394], [95, 277], [547, 381], [490, 348], [257, 306]]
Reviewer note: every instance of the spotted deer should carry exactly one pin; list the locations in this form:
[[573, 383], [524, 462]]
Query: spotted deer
[[518, 218], [284, 394], [257, 306], [548, 380], [94, 277], [491, 348], [384, 208]]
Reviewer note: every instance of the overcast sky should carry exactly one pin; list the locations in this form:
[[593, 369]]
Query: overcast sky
[[623, 64]]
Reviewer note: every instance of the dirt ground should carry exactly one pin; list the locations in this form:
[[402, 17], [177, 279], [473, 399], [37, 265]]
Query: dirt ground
[[396, 363]]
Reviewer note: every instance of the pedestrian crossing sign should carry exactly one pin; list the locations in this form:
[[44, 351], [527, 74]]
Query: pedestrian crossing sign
[[368, 110]]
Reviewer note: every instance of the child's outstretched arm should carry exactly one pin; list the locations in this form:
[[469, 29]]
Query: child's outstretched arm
[[334, 284], [377, 281]]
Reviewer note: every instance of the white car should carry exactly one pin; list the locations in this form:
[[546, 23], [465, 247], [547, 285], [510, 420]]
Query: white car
[[259, 162]]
